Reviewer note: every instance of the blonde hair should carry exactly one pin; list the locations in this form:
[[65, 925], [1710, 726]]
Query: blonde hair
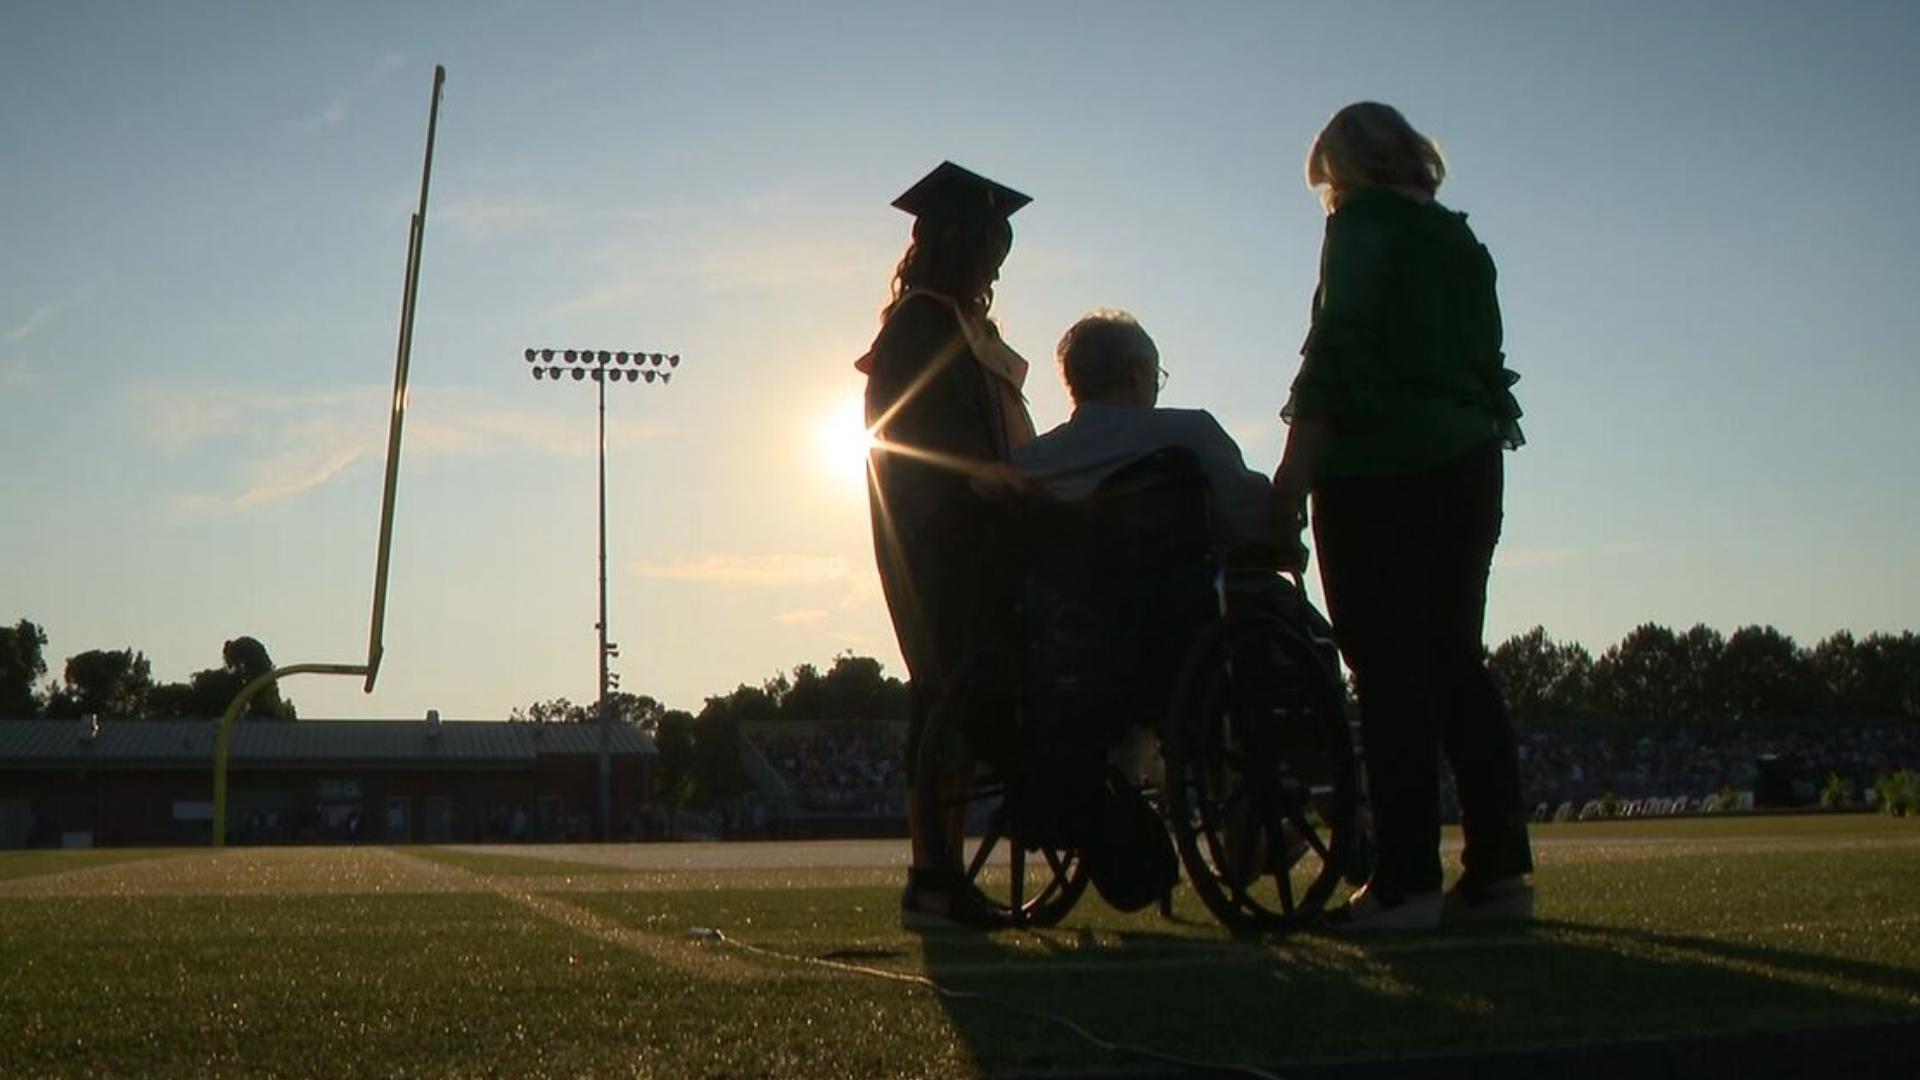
[[1368, 144]]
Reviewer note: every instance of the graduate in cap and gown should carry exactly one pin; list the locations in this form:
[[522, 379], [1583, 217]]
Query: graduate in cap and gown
[[944, 405]]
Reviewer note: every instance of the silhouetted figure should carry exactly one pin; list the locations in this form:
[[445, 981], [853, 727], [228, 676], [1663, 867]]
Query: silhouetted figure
[[943, 400], [1399, 413], [1113, 374], [1150, 612]]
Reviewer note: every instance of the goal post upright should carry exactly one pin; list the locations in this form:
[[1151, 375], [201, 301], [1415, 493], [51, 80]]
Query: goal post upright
[[370, 670]]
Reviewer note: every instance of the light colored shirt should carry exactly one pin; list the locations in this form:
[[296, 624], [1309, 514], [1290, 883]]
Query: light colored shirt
[[1073, 459]]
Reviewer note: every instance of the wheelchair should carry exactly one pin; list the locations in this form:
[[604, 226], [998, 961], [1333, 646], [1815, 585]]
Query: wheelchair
[[1143, 664]]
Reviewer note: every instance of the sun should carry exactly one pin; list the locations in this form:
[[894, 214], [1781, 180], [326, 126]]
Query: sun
[[842, 442]]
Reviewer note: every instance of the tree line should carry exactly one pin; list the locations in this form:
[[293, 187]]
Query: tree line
[[118, 683], [1757, 679], [700, 754], [1653, 680]]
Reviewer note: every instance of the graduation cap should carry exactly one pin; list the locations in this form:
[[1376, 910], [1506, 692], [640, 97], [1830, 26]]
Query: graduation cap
[[950, 191]]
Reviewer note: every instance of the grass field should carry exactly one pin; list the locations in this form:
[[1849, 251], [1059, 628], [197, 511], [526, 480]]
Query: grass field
[[588, 960]]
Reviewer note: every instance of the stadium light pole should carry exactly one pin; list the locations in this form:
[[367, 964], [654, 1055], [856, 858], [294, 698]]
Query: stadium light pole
[[603, 367]]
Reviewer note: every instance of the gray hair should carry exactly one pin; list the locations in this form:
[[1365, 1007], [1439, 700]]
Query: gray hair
[[1102, 351]]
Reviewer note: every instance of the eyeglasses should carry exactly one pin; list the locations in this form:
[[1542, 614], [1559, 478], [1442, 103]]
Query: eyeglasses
[[1159, 378]]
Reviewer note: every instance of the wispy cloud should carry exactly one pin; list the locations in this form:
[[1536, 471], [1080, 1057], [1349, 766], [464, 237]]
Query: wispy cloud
[[794, 618], [293, 442], [31, 325], [293, 470], [18, 366], [727, 260], [1528, 558], [482, 219], [752, 571], [341, 105], [617, 292], [746, 264]]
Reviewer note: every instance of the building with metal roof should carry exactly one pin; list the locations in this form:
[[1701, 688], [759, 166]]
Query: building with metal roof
[[79, 782]]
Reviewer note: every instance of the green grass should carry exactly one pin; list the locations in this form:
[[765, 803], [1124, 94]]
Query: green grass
[[499, 865], [20, 864], [1646, 929]]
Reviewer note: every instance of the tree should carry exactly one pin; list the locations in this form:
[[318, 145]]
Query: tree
[[1698, 693], [806, 695], [244, 660], [104, 683], [718, 772], [673, 738], [1543, 681], [175, 700], [857, 688], [1890, 675], [1764, 676], [747, 704], [552, 711], [1839, 675], [1637, 678], [22, 663], [640, 710], [210, 692]]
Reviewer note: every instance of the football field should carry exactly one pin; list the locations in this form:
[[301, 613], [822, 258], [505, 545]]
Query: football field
[[1728, 939]]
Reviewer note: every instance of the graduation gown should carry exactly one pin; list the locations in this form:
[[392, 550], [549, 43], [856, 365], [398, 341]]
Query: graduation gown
[[943, 393]]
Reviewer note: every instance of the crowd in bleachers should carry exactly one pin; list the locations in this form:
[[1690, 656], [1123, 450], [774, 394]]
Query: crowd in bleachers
[[1658, 772], [861, 769], [856, 769]]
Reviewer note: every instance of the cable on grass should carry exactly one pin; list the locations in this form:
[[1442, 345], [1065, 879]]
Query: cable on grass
[[714, 934]]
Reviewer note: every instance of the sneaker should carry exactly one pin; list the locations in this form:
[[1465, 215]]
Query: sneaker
[[1366, 910], [1507, 899]]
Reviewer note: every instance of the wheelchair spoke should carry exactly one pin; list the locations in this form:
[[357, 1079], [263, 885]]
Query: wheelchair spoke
[[985, 851], [1296, 812], [1312, 836], [1254, 729], [1053, 862], [1019, 882]]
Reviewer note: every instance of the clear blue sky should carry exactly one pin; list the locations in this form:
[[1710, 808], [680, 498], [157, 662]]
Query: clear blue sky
[[1703, 217]]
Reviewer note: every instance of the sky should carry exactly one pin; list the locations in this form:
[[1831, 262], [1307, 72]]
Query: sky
[[1703, 216]]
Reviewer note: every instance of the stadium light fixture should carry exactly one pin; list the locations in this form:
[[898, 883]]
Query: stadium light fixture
[[597, 361]]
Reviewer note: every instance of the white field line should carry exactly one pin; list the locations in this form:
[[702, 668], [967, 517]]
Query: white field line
[[676, 857], [683, 955]]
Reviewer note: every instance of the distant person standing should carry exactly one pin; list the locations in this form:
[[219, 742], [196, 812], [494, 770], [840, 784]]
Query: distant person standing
[[1398, 417], [944, 404]]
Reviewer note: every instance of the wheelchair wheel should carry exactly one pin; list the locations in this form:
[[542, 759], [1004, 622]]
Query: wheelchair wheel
[[1260, 775], [1010, 872]]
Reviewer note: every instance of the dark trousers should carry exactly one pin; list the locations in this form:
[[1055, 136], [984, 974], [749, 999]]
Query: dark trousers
[[1404, 562]]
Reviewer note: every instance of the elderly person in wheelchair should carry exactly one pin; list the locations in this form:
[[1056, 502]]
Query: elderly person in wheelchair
[[1113, 374], [1151, 621]]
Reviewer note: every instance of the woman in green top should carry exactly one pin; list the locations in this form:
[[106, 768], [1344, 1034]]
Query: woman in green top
[[1398, 416]]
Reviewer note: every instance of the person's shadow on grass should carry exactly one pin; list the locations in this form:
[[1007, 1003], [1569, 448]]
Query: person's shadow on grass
[[1537, 997]]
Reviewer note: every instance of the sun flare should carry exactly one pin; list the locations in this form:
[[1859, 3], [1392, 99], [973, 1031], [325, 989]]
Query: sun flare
[[842, 442]]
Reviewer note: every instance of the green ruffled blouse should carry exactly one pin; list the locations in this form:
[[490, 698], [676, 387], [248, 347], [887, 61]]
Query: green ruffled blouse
[[1403, 360]]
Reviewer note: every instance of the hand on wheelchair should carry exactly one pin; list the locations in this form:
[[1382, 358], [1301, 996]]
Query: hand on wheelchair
[[998, 480], [1289, 556], [1289, 523]]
